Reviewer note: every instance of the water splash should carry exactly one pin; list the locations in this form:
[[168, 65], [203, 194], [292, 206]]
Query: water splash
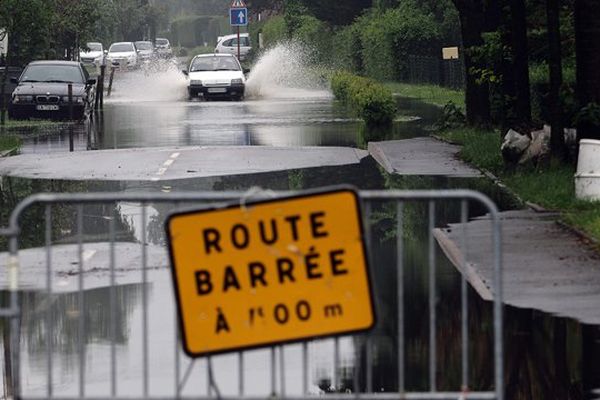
[[158, 81], [286, 72]]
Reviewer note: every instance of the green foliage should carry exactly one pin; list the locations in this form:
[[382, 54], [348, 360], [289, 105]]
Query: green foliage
[[274, 30], [9, 142], [453, 117], [589, 115], [540, 88], [389, 37], [26, 23], [370, 100], [480, 148], [347, 47], [196, 30]]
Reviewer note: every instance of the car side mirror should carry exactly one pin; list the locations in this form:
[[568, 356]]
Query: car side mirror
[[246, 70], [105, 52], [14, 80], [185, 72], [91, 81]]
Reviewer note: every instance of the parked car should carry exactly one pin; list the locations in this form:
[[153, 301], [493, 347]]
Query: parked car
[[216, 76], [163, 48], [229, 45], [145, 50], [92, 54], [123, 55], [42, 91]]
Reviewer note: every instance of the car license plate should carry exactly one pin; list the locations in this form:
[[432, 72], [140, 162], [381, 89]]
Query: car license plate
[[47, 108], [217, 90]]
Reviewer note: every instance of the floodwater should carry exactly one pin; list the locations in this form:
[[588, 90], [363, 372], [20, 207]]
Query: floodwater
[[546, 357], [286, 105]]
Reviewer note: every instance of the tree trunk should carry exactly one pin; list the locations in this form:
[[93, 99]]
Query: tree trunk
[[518, 17], [477, 99], [587, 48], [557, 137]]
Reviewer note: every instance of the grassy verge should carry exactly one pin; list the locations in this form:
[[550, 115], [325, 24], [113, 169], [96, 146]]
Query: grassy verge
[[432, 94], [9, 142], [34, 123], [553, 188]]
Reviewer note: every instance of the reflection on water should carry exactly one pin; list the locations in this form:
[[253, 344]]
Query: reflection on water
[[317, 121]]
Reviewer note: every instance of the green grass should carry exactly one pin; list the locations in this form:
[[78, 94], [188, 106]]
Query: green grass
[[9, 142], [34, 123], [431, 94], [552, 188]]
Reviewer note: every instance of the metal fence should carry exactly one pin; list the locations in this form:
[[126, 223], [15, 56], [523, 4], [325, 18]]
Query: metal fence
[[435, 71], [285, 370]]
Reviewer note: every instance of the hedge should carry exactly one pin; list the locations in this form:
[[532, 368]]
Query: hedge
[[370, 100]]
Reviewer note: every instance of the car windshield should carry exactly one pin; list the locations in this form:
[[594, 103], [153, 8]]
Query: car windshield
[[94, 47], [121, 48], [162, 42], [52, 73], [143, 45], [214, 64]]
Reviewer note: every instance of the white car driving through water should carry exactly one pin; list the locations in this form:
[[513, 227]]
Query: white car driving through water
[[216, 76], [92, 54], [123, 55]]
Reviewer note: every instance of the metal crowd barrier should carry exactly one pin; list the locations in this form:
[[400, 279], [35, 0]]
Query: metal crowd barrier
[[362, 382]]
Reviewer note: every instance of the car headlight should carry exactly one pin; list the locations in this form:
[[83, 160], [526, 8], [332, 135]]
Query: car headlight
[[196, 82], [22, 99], [76, 99], [238, 81]]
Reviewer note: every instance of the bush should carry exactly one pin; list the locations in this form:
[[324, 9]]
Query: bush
[[273, 31], [389, 37], [540, 89], [347, 49], [370, 100]]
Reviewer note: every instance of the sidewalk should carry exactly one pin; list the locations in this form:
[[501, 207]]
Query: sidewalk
[[546, 266]]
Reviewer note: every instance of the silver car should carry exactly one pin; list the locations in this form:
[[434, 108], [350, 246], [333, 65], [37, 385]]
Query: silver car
[[229, 45]]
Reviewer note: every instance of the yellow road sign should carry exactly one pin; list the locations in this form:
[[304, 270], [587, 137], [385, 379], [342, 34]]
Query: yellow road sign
[[270, 272]]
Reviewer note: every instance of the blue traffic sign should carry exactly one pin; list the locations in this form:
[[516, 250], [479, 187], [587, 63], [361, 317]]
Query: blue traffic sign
[[238, 16]]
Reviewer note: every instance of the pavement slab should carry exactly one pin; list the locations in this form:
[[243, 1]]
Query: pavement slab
[[421, 156], [161, 164], [64, 261], [546, 266]]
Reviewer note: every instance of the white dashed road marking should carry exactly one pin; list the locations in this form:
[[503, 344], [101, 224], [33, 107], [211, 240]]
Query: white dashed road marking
[[162, 170]]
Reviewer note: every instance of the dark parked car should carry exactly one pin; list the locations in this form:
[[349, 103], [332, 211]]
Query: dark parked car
[[42, 91]]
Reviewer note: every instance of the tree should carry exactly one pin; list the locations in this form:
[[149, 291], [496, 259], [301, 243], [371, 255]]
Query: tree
[[71, 22], [557, 142], [26, 24], [337, 12], [587, 48], [472, 23], [520, 60]]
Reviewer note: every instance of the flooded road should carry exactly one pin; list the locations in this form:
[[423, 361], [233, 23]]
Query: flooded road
[[546, 357], [313, 121]]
